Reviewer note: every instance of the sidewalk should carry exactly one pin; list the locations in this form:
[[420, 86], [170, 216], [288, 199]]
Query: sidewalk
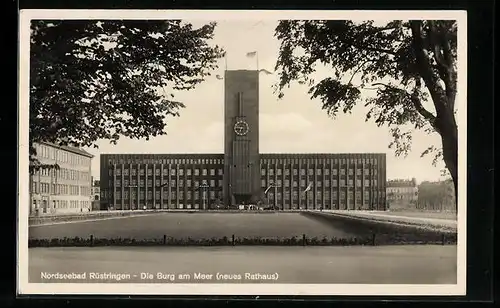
[[406, 264], [381, 216]]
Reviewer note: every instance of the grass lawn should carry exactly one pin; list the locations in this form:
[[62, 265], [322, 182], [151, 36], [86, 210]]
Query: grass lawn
[[196, 225]]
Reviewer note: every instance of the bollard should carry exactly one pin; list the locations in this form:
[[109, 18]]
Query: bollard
[[91, 240], [303, 239], [373, 239], [164, 239], [233, 240]]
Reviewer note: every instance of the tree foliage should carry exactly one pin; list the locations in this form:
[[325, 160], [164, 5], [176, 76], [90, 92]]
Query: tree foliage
[[92, 80], [436, 195], [402, 63]]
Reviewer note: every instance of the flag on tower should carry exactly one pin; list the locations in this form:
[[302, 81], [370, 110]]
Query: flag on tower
[[219, 77], [265, 72], [251, 54]]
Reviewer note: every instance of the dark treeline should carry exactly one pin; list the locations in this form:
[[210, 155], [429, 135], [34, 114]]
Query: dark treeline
[[436, 195]]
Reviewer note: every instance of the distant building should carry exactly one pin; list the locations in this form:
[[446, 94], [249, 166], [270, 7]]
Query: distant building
[[96, 194], [242, 175], [67, 190], [402, 194]]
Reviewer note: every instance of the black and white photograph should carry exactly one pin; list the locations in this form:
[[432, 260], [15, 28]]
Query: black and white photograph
[[242, 152]]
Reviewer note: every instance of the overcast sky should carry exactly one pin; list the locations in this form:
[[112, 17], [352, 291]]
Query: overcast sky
[[294, 124]]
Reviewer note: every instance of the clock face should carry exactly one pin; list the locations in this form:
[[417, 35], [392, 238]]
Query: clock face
[[241, 128]]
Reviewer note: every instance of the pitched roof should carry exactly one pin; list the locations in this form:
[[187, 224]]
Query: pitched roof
[[69, 149], [401, 183]]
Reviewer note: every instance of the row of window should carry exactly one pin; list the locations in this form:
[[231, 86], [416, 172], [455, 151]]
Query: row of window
[[391, 196], [295, 203], [264, 184], [218, 161], [133, 172], [65, 174], [59, 155], [173, 195], [319, 171], [319, 184], [212, 194], [59, 189], [263, 172], [326, 195], [189, 183], [399, 190], [63, 204]]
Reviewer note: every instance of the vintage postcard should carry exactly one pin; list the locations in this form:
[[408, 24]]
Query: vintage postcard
[[242, 152]]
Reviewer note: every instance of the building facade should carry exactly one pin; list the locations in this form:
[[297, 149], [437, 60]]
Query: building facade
[[402, 194], [243, 175], [175, 181], [66, 190]]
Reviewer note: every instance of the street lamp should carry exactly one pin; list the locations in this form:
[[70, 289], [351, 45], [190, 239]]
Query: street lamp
[[166, 183], [130, 192], [203, 188], [267, 190]]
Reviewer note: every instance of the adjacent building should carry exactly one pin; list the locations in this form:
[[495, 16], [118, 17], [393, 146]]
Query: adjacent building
[[402, 194], [63, 190], [243, 175]]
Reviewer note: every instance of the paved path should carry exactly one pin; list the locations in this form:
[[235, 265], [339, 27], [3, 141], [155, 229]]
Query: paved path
[[449, 223], [304, 265], [422, 214]]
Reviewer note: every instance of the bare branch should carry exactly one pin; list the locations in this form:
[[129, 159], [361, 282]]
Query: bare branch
[[367, 48], [415, 100], [357, 70], [444, 60], [382, 84], [438, 56], [421, 109], [425, 68], [382, 50]]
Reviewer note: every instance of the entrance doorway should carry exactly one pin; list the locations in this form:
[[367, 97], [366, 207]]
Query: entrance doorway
[[44, 206], [243, 199]]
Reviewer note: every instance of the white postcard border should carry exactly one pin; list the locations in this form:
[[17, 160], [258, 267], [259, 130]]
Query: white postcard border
[[25, 288]]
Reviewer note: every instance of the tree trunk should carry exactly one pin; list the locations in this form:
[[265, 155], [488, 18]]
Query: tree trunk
[[449, 138]]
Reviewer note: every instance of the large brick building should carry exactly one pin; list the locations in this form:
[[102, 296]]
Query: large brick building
[[66, 190], [242, 175]]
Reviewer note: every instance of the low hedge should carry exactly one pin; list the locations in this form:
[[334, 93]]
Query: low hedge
[[370, 240]]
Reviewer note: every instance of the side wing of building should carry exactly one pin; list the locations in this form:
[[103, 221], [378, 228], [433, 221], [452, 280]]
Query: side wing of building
[[160, 181], [67, 190], [329, 181]]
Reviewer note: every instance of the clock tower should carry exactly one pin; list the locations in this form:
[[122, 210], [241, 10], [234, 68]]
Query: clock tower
[[241, 137]]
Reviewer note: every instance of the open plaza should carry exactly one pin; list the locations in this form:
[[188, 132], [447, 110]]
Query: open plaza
[[383, 264]]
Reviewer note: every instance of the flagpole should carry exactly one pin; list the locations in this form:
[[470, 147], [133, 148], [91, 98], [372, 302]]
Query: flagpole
[[225, 61], [257, 58]]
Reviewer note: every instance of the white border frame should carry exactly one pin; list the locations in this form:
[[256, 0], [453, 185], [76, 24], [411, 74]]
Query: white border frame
[[25, 288]]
